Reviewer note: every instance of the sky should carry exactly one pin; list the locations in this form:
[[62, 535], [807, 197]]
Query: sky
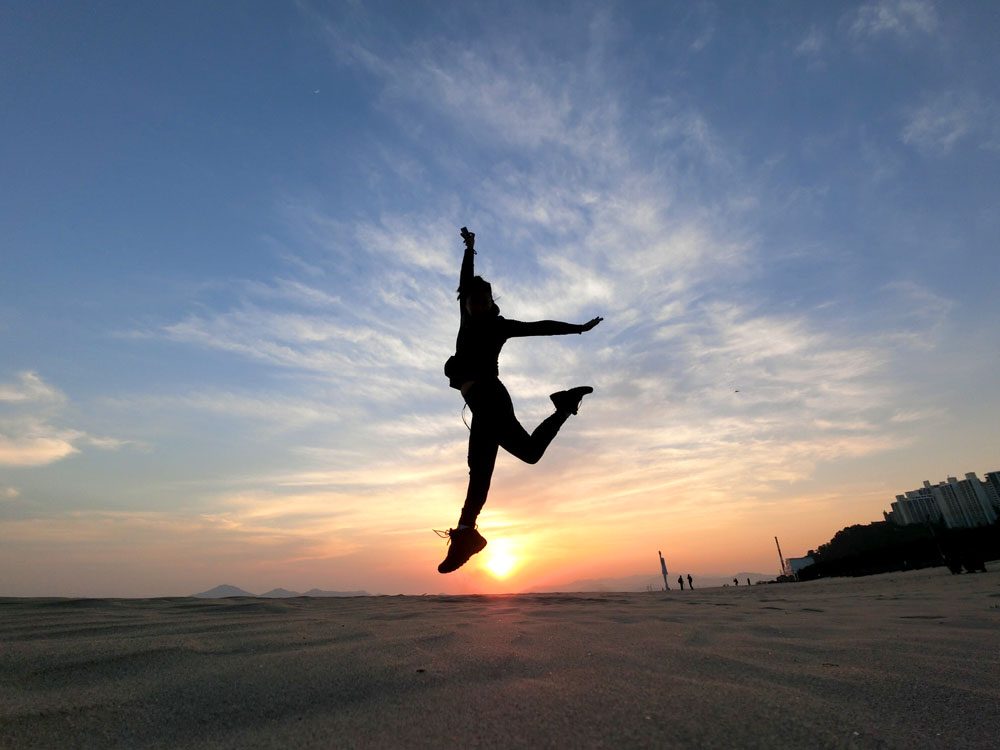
[[230, 246]]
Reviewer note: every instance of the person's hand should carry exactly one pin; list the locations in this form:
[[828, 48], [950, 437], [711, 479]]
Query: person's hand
[[590, 324], [469, 237]]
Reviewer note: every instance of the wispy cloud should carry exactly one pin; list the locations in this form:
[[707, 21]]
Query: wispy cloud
[[941, 122], [269, 409], [28, 436], [704, 37], [812, 44], [908, 416], [32, 450], [902, 18], [30, 388], [916, 299]]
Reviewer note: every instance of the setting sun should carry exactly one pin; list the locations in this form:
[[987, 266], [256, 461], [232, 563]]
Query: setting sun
[[500, 559]]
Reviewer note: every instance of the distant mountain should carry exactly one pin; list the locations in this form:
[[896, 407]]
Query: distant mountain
[[222, 591], [279, 594], [225, 590]]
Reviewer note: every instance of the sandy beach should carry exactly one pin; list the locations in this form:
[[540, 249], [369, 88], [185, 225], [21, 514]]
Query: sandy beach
[[898, 660]]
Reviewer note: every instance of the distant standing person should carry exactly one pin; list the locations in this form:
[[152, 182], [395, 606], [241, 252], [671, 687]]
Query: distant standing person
[[680, 580], [748, 581], [690, 582], [736, 582]]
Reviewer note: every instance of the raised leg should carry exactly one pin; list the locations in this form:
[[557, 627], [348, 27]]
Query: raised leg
[[530, 448]]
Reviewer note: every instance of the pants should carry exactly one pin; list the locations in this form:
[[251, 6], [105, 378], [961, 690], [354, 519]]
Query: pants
[[494, 425]]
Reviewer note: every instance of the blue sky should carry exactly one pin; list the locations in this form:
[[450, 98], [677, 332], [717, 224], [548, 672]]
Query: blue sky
[[230, 242]]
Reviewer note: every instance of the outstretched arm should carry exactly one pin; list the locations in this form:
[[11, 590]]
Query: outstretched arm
[[547, 327], [468, 264]]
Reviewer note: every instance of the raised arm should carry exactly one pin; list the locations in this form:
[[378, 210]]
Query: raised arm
[[515, 328], [468, 264]]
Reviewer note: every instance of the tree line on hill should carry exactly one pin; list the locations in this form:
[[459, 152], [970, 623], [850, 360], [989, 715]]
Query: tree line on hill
[[883, 547]]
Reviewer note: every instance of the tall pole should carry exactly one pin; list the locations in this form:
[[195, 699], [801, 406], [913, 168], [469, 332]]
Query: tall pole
[[663, 567], [781, 557]]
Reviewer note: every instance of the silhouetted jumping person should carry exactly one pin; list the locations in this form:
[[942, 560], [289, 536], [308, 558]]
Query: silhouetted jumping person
[[474, 371]]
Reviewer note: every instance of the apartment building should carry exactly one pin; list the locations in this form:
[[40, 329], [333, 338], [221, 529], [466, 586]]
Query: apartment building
[[960, 503]]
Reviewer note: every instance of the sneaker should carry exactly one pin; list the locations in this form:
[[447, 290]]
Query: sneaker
[[462, 544], [569, 401]]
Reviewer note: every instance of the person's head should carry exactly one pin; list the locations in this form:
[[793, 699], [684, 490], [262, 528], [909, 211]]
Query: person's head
[[479, 299]]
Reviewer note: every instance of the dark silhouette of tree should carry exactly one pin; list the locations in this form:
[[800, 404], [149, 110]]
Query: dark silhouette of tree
[[881, 547]]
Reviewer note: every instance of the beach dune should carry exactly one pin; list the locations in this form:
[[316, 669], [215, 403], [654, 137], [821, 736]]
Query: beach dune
[[898, 660]]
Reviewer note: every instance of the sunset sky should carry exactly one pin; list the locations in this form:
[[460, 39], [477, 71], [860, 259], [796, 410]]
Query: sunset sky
[[229, 241]]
